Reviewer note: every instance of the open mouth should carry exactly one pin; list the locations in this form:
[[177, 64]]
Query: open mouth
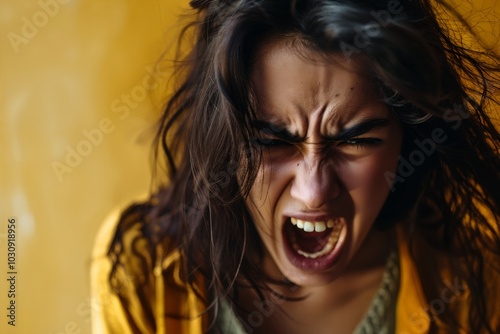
[[313, 245]]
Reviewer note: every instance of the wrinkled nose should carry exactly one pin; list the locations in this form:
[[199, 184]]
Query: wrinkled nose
[[315, 183]]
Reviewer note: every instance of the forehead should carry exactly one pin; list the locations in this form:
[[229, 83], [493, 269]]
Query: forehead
[[293, 82]]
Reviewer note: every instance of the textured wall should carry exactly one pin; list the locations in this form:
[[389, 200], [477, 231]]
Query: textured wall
[[75, 115], [74, 138]]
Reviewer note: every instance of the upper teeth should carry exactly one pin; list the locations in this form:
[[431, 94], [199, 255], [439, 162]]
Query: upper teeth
[[309, 226]]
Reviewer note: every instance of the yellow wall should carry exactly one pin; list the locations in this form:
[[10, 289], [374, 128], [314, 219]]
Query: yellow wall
[[69, 73]]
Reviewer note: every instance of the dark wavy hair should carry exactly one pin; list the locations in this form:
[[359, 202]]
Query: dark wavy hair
[[428, 78]]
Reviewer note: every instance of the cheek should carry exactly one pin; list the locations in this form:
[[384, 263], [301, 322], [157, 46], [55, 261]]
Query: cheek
[[266, 192], [262, 196], [259, 193], [368, 172], [269, 183], [366, 180]]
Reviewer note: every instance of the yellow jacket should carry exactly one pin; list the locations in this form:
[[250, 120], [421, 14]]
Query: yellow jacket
[[148, 304]]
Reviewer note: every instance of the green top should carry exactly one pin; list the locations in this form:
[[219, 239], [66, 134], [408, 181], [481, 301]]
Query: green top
[[380, 317]]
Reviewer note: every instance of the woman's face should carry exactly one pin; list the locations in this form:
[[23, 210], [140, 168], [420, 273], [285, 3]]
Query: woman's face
[[329, 145]]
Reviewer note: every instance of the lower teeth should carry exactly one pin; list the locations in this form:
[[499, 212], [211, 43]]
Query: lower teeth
[[332, 240]]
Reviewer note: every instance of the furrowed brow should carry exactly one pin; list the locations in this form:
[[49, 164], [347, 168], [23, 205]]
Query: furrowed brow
[[360, 128], [276, 130]]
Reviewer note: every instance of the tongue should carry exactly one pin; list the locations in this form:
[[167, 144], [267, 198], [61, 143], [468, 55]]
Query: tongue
[[311, 242]]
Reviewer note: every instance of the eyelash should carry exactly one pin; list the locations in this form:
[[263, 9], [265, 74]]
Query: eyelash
[[362, 142], [270, 142], [356, 142]]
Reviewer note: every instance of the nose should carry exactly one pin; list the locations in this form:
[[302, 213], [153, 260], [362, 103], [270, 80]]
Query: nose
[[315, 181]]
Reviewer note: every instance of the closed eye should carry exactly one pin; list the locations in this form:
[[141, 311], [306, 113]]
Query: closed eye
[[267, 142], [352, 142], [360, 142]]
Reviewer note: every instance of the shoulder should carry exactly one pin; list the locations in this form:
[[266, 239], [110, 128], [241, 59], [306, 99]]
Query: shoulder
[[136, 279], [434, 295], [114, 289], [106, 232], [123, 234]]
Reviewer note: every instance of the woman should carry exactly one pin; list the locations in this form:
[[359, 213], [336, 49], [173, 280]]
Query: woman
[[332, 169]]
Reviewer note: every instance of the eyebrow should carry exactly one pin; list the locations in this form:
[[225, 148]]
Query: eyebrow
[[277, 130], [359, 129]]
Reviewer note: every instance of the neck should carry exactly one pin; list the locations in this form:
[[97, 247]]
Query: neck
[[338, 306]]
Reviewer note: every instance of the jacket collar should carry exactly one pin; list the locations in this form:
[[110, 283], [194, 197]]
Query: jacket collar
[[411, 315]]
